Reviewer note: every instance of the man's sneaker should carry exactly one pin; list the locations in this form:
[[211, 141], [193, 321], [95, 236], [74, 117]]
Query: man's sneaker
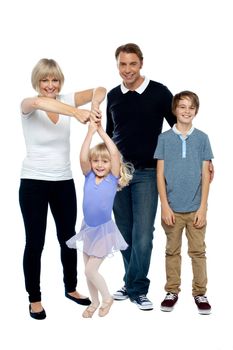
[[203, 305], [121, 294], [169, 302], [142, 302]]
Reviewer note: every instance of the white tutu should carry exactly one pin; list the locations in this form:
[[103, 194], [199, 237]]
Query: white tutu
[[99, 241]]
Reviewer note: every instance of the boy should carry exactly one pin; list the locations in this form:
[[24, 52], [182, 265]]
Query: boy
[[183, 180]]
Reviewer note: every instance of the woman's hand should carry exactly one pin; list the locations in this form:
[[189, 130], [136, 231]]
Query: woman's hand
[[82, 115]]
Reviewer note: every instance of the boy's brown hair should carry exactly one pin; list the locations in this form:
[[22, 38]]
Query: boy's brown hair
[[185, 94]]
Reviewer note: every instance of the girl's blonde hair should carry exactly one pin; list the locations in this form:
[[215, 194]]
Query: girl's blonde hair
[[126, 169]]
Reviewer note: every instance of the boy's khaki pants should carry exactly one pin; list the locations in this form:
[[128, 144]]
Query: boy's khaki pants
[[196, 251]]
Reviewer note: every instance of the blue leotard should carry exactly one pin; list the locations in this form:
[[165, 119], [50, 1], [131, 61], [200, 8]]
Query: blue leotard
[[99, 234]]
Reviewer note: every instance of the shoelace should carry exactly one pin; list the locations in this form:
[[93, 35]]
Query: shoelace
[[201, 299], [170, 296], [143, 298]]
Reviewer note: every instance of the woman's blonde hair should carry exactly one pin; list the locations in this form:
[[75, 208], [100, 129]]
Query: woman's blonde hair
[[126, 169], [45, 68]]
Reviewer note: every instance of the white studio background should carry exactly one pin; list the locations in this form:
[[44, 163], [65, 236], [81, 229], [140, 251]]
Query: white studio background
[[186, 45]]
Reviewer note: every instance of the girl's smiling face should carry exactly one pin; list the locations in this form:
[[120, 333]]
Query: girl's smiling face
[[101, 166]]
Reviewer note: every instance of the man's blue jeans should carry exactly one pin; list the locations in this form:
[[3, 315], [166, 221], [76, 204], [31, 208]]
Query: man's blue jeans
[[134, 210]]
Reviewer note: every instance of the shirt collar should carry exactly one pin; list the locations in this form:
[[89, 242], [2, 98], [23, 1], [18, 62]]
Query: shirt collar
[[139, 90], [176, 131]]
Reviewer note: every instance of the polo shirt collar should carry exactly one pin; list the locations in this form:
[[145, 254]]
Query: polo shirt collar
[[139, 90], [176, 131]]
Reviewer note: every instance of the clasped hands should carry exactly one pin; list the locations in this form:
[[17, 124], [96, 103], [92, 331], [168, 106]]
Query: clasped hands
[[85, 115]]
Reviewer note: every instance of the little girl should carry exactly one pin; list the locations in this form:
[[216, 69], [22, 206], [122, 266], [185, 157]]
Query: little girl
[[105, 173]]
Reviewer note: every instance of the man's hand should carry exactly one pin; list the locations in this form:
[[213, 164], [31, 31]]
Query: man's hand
[[211, 170]]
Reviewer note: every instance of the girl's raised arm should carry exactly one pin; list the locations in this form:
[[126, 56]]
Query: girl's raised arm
[[85, 148], [113, 150]]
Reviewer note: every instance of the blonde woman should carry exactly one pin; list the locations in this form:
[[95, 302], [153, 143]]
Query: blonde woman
[[46, 177]]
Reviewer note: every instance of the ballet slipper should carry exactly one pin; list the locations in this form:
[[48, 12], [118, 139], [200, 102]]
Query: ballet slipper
[[105, 307], [89, 311]]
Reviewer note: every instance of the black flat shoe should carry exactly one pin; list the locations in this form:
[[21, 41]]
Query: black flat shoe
[[80, 301], [37, 315]]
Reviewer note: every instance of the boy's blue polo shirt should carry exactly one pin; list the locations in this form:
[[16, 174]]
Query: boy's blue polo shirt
[[183, 159]]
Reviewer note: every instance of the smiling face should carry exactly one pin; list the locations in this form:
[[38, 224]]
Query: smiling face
[[47, 78], [129, 66], [185, 111], [49, 87], [101, 166]]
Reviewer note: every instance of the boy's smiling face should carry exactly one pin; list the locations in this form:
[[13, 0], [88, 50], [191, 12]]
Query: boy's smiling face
[[185, 111]]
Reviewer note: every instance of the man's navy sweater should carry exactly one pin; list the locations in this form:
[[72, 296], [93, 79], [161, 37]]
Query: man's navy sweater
[[134, 121]]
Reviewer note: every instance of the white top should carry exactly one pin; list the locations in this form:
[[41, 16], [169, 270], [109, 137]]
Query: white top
[[47, 145]]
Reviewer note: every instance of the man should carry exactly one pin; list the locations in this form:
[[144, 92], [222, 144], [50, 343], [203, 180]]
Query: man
[[135, 113]]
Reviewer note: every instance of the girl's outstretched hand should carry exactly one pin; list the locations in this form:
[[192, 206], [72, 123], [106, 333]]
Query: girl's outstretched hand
[[92, 126], [96, 114]]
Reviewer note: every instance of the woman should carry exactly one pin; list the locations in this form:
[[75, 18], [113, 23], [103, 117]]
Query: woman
[[46, 177]]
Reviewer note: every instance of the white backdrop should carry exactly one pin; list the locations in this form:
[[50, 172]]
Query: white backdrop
[[186, 45]]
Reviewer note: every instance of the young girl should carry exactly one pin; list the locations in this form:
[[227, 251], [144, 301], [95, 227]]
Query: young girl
[[104, 175]]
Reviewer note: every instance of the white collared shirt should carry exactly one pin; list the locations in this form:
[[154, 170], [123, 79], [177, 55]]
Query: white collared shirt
[[139, 90], [176, 131]]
